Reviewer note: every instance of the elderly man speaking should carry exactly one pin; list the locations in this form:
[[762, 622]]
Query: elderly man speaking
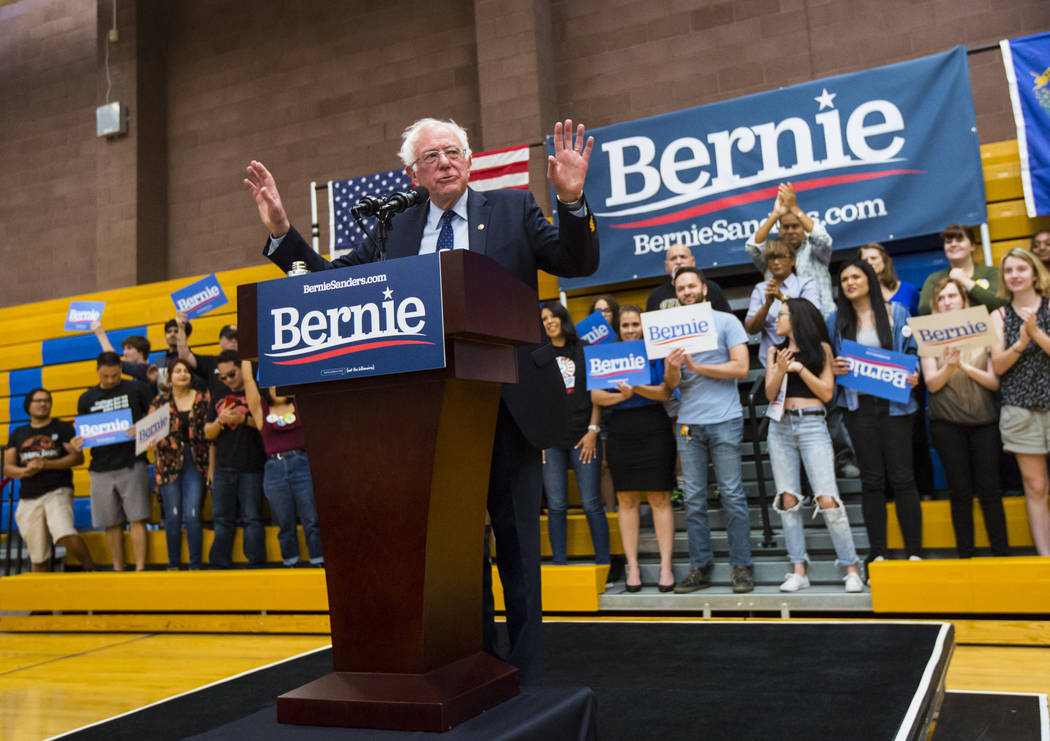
[[508, 226]]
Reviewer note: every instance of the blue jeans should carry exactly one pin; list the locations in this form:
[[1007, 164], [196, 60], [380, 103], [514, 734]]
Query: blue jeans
[[795, 441], [721, 443], [588, 478], [182, 508], [232, 490], [289, 488]]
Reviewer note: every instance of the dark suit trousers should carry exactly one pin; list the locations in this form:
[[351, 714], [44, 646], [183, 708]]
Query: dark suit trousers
[[515, 486]]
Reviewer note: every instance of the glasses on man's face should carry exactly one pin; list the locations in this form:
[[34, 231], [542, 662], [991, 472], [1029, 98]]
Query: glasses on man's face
[[228, 376], [431, 157], [43, 400]]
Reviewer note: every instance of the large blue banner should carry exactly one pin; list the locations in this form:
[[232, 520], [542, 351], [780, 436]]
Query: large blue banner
[[365, 320], [1027, 62], [877, 155]]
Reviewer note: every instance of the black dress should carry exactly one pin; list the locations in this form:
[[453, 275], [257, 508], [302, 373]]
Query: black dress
[[641, 447]]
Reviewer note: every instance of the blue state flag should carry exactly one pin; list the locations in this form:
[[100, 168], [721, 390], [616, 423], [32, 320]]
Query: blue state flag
[[81, 314], [594, 329], [875, 155], [365, 320], [104, 428], [200, 297], [610, 364], [1027, 62], [877, 372]]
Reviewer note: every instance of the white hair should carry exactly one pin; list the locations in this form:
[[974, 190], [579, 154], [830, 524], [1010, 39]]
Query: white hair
[[410, 136]]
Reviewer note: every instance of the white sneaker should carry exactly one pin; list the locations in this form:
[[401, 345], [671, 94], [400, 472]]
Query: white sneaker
[[914, 558], [853, 583], [793, 582]]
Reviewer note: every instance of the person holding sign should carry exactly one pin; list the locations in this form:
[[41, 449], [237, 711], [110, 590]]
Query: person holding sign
[[119, 478], [964, 422], [880, 429], [979, 280], [181, 463], [641, 456], [1022, 360], [767, 295], [711, 425], [579, 447], [799, 382]]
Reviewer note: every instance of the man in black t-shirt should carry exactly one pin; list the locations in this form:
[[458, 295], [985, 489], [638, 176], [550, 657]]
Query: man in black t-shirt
[[119, 479], [236, 478], [41, 456], [206, 367], [663, 296]]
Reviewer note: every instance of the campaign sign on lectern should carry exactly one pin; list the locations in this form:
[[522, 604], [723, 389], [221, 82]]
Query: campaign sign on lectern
[[367, 320]]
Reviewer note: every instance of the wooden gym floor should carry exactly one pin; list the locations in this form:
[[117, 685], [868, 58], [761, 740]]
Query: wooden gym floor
[[51, 683]]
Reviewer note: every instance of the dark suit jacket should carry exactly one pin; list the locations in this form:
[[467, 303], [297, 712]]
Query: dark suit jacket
[[509, 227]]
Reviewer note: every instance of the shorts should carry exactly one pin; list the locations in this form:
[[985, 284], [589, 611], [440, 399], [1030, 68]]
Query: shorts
[[1025, 430], [35, 517], [120, 496]]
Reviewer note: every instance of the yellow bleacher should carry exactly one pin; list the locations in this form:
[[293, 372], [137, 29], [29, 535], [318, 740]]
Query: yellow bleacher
[[1008, 223]]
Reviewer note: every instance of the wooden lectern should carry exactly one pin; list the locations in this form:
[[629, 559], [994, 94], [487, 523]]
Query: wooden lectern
[[400, 467]]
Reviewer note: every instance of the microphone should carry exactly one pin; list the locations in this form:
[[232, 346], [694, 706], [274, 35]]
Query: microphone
[[367, 206], [395, 203]]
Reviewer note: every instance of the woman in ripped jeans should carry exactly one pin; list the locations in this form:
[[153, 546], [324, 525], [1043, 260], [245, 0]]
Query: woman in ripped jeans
[[799, 382]]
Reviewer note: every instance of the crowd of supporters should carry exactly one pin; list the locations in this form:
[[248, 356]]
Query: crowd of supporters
[[228, 442], [983, 406]]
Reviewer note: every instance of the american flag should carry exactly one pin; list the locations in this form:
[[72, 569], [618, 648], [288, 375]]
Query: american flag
[[498, 168]]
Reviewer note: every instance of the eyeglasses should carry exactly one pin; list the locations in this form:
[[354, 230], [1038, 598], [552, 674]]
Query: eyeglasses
[[430, 158], [42, 400], [778, 257], [228, 376]]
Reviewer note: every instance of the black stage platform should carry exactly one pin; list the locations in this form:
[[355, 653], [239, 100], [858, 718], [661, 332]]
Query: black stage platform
[[736, 680]]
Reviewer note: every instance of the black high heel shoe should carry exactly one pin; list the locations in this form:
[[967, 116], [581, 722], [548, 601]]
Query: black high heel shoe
[[666, 587], [633, 588]]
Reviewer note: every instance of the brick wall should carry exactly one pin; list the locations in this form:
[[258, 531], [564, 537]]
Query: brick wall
[[322, 89], [47, 149]]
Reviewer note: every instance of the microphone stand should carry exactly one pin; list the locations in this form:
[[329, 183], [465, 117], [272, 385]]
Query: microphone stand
[[383, 226]]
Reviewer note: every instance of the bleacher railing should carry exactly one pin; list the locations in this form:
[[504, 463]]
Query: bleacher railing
[[760, 469]]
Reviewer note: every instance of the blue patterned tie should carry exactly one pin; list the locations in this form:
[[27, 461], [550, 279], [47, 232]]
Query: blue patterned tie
[[445, 241]]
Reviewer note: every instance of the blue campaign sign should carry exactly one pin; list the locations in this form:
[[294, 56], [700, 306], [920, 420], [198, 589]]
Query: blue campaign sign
[[365, 320], [200, 297], [878, 372], [104, 428], [82, 313], [608, 365], [876, 155], [594, 329]]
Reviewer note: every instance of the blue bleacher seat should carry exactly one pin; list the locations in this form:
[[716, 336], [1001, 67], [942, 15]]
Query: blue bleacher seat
[[81, 346]]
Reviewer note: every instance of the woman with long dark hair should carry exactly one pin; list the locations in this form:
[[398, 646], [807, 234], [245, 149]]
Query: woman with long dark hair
[[799, 382], [881, 430], [181, 463], [1022, 360], [641, 456], [964, 423], [578, 449]]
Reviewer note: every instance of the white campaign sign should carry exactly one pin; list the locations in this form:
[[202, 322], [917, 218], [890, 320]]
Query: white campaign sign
[[964, 328], [691, 328], [152, 428]]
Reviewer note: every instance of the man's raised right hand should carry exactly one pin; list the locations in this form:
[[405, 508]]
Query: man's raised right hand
[[264, 190]]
